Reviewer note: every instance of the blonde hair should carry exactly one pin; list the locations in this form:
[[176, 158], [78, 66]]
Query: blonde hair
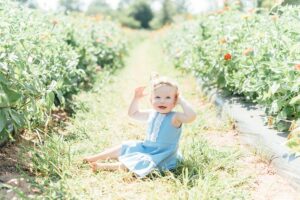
[[158, 81]]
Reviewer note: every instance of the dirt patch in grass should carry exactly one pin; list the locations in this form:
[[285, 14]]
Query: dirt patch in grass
[[12, 184], [9, 157], [266, 183]]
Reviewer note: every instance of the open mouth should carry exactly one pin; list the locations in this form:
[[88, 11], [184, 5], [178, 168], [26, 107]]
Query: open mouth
[[162, 107]]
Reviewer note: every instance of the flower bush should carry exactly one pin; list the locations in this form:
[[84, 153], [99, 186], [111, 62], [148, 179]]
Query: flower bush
[[45, 59], [255, 56]]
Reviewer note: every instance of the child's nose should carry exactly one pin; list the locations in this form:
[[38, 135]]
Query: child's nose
[[160, 100]]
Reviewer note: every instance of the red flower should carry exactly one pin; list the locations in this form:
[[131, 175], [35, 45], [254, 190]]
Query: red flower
[[227, 56], [297, 67]]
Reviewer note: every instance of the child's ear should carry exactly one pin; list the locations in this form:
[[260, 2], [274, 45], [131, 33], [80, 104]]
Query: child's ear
[[176, 98]]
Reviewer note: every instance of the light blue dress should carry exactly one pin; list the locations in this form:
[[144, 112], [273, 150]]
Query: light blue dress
[[159, 150]]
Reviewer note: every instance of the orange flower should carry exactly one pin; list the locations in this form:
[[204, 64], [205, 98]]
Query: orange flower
[[222, 41], [98, 18], [219, 12], [274, 17], [98, 40], [227, 56], [226, 8], [248, 51], [54, 22], [297, 67]]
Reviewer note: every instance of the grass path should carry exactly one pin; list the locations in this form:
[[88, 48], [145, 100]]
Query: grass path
[[216, 166], [103, 122]]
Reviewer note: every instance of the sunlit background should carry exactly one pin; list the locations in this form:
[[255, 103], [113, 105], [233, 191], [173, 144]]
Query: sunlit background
[[147, 14], [194, 6]]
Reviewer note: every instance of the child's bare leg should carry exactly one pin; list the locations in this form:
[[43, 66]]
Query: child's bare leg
[[111, 153], [107, 166]]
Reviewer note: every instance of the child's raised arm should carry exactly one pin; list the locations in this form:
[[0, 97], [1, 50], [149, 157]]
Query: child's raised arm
[[188, 114], [133, 110]]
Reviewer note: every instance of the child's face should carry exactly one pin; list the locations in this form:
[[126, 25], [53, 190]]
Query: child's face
[[163, 98]]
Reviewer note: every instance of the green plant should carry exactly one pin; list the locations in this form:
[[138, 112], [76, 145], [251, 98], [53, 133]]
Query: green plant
[[45, 59], [255, 56]]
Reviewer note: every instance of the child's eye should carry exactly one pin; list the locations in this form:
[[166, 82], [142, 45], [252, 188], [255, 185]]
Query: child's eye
[[157, 97], [168, 97]]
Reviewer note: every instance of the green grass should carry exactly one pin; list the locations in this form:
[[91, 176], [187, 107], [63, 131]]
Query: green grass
[[101, 120]]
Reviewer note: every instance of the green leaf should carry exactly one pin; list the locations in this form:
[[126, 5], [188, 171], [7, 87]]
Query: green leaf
[[282, 126], [274, 88], [4, 102], [60, 97], [295, 100], [3, 80], [52, 86], [3, 119], [8, 96], [17, 118], [274, 107], [50, 100]]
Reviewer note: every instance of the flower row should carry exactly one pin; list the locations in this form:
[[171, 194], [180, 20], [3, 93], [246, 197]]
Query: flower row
[[255, 56], [45, 59]]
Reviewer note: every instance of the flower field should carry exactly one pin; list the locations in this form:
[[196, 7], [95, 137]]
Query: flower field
[[256, 56], [45, 59], [68, 79]]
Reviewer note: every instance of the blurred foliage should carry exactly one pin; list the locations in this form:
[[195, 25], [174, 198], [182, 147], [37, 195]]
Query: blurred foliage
[[98, 7], [22, 1], [123, 4], [291, 2], [70, 5], [29, 3], [129, 22], [270, 3], [181, 6], [265, 3], [168, 12], [141, 11], [134, 14]]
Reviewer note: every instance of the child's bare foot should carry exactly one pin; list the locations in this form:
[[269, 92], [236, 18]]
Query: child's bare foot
[[93, 166]]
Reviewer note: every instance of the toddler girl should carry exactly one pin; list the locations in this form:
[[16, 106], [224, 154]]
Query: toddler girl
[[160, 148]]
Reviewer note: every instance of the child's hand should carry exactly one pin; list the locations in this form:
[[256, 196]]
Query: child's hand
[[139, 92]]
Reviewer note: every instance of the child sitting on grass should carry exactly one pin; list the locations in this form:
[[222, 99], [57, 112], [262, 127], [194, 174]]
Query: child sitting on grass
[[159, 150]]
